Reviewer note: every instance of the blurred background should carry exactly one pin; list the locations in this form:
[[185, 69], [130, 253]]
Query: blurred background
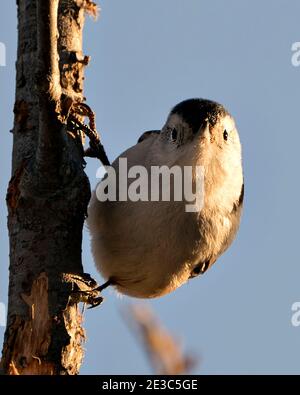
[[146, 57]]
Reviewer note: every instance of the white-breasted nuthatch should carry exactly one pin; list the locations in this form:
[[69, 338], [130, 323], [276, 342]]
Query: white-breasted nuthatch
[[147, 249]]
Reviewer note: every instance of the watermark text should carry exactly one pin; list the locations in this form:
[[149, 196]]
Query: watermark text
[[155, 183], [296, 316], [2, 314], [2, 54], [295, 59]]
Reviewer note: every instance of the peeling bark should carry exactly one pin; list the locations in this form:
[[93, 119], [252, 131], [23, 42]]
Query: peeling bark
[[32, 337], [48, 193]]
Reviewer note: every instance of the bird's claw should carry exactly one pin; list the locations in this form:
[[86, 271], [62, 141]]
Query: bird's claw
[[91, 298], [96, 149], [85, 280], [95, 302], [86, 291]]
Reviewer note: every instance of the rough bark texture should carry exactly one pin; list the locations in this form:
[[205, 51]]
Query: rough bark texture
[[48, 193]]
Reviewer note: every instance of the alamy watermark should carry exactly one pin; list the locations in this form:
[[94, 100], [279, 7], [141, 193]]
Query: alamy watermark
[[155, 183], [2, 314], [2, 54], [295, 320], [295, 59]]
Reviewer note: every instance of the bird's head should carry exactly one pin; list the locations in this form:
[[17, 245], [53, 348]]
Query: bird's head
[[203, 129]]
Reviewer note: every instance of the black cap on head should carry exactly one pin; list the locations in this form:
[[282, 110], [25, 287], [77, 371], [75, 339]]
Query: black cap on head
[[195, 111]]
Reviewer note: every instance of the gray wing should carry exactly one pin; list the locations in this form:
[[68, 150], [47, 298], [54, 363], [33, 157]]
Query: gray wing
[[235, 218]]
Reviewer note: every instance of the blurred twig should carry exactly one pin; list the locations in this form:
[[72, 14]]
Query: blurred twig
[[163, 349]]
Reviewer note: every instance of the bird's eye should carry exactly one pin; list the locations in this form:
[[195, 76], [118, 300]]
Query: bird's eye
[[173, 134], [225, 135]]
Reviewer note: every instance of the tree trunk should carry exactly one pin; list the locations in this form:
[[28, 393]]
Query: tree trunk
[[48, 193]]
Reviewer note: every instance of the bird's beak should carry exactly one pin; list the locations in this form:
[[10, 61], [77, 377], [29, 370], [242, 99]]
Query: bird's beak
[[204, 129]]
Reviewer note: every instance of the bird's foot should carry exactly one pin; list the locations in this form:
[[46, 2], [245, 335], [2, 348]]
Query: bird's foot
[[86, 289], [96, 149], [94, 302]]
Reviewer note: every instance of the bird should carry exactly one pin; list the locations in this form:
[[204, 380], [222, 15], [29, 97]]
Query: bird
[[147, 249]]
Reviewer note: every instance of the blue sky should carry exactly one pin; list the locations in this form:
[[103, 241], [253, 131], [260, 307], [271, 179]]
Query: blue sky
[[146, 57]]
